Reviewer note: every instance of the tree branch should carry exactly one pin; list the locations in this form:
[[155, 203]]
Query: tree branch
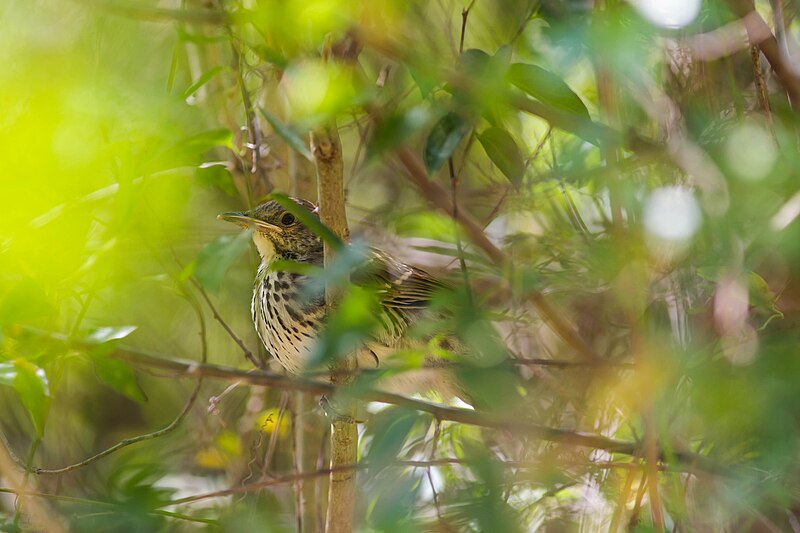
[[327, 150], [684, 460]]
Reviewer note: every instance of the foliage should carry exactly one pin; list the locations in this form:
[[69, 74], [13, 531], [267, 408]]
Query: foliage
[[624, 267]]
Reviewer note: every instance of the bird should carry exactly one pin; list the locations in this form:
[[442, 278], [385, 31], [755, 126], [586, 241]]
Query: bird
[[290, 317]]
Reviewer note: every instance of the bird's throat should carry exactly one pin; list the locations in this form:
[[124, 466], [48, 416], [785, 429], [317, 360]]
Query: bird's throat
[[265, 246]]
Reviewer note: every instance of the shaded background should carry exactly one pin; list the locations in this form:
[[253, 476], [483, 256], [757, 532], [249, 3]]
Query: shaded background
[[670, 244]]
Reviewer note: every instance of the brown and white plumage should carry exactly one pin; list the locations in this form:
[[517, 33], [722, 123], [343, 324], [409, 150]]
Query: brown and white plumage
[[289, 320]]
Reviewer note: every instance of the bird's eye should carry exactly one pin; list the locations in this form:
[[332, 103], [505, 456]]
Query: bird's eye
[[287, 219]]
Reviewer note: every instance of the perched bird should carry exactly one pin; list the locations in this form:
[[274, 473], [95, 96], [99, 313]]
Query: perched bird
[[290, 323]]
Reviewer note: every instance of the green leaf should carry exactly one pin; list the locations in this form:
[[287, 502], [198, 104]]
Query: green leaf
[[7, 374], [307, 219], [25, 302], [106, 334], [474, 62], [31, 385], [215, 174], [394, 130], [285, 132], [424, 80], [119, 376], [390, 434], [209, 139], [504, 152], [218, 256], [204, 78], [443, 140], [547, 88]]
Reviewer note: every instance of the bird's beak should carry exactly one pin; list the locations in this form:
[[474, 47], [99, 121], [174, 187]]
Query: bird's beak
[[245, 220]]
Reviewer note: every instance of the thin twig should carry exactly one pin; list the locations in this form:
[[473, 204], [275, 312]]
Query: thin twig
[[99, 503], [684, 460], [155, 434], [464, 16], [322, 472], [247, 353]]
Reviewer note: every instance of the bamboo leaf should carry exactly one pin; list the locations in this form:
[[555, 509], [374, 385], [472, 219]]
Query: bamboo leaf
[[217, 257], [443, 140], [547, 87], [502, 149]]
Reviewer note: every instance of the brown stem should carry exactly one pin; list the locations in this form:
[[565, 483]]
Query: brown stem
[[327, 150], [436, 194]]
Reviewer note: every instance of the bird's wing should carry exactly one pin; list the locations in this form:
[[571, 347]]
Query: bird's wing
[[398, 285]]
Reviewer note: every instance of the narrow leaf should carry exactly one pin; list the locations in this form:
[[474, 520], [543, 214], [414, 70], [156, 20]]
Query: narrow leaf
[[204, 78], [504, 152], [285, 132], [443, 140], [307, 219], [218, 256], [547, 88], [391, 432], [119, 376], [209, 139]]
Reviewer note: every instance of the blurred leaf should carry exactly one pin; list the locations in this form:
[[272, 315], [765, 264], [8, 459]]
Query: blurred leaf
[[7, 374], [26, 301], [215, 174], [106, 334], [394, 130], [218, 256], [204, 78], [424, 81], [390, 432], [285, 132], [31, 384], [207, 140], [271, 55], [119, 376], [307, 219], [547, 88], [443, 140], [474, 62], [504, 152]]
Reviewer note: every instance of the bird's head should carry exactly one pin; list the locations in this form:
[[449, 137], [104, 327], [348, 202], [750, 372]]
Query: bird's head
[[277, 231]]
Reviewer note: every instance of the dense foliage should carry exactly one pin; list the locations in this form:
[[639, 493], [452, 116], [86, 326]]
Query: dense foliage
[[610, 189]]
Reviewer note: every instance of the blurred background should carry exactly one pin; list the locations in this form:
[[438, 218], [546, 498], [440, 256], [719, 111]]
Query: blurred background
[[635, 163]]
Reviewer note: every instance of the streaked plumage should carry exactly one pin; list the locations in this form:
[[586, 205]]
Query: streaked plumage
[[289, 321]]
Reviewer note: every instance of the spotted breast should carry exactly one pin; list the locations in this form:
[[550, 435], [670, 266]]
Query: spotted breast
[[287, 320]]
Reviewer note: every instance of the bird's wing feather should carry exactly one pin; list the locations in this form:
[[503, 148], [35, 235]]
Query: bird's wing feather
[[397, 284]]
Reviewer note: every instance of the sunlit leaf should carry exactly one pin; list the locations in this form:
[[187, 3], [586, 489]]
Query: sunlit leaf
[[547, 88], [218, 256], [502, 149], [443, 140], [8, 372], [106, 334], [25, 301], [208, 139]]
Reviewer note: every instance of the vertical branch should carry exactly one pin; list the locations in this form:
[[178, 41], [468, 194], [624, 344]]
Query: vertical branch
[[327, 150]]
